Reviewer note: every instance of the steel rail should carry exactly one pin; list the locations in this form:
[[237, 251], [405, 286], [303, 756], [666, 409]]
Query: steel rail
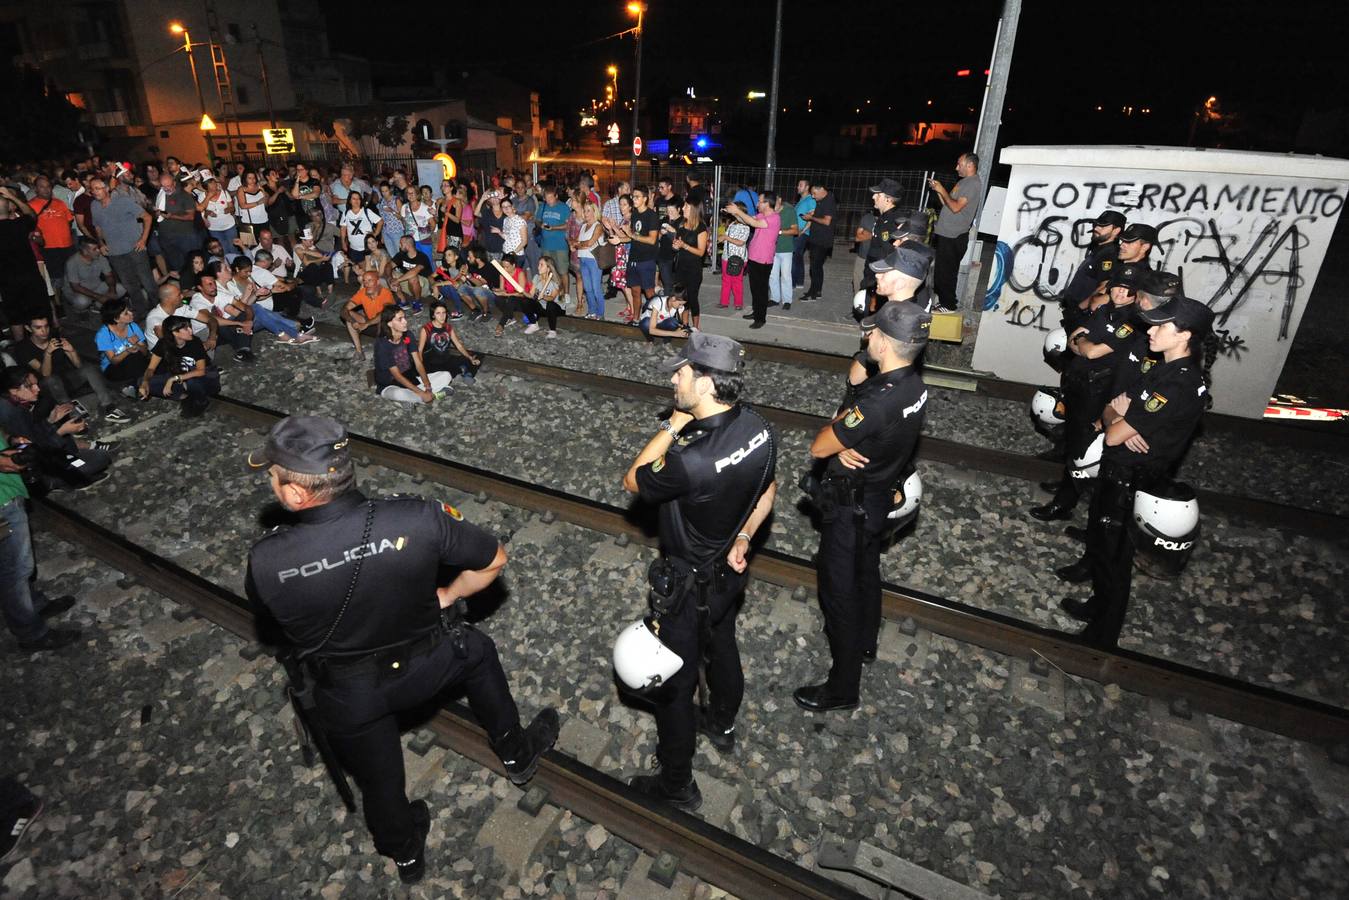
[[969, 456], [1272, 710], [704, 851]]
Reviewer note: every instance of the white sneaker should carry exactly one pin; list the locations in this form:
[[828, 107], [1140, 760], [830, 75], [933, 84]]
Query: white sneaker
[[531, 327], [552, 334]]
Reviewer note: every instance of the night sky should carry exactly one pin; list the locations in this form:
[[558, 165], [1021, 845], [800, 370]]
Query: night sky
[[1267, 63]]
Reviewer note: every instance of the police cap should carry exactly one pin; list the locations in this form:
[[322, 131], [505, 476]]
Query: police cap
[[310, 445], [903, 320], [1139, 232], [1188, 315], [914, 225], [888, 186], [910, 262], [1129, 276], [711, 351], [1161, 285], [1111, 217]]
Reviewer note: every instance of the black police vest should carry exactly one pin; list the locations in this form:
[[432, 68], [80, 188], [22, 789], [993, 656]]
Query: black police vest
[[730, 459]]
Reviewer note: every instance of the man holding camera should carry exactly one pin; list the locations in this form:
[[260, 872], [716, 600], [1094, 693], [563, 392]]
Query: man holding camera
[[710, 468], [62, 460], [60, 368]]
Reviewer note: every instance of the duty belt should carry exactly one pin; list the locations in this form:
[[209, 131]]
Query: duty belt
[[386, 661]]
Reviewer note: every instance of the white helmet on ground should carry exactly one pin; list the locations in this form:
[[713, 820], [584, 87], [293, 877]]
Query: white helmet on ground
[[909, 494], [1056, 342], [642, 660], [1089, 463], [1165, 529], [859, 301], [1046, 407]]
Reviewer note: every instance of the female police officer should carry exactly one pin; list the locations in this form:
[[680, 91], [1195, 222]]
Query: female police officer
[[1146, 430], [710, 467], [353, 586]]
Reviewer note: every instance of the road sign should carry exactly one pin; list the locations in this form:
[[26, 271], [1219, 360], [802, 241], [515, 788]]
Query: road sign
[[278, 140], [613, 133], [637, 146]]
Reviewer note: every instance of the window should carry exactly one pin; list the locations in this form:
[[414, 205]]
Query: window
[[232, 29], [422, 130], [163, 134], [241, 94]]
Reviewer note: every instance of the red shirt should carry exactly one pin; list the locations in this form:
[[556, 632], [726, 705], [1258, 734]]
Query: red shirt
[[53, 220]]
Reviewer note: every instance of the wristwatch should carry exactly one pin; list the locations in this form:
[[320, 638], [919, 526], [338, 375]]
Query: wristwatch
[[667, 427]]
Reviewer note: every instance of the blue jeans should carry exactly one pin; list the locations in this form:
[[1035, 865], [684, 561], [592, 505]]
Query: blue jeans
[[451, 296], [391, 239], [780, 279], [590, 278], [268, 320], [21, 599], [226, 237], [799, 260]]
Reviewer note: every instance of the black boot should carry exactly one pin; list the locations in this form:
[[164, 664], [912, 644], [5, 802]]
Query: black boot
[[412, 869], [522, 749], [688, 798], [721, 738], [1051, 512], [1082, 610], [1076, 573], [816, 698]]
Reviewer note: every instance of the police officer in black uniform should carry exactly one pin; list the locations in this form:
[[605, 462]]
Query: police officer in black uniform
[[711, 468], [867, 446], [1154, 289], [892, 228], [1091, 276], [1096, 348], [1146, 432], [355, 588]]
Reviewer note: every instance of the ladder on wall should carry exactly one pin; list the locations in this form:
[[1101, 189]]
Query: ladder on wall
[[229, 111]]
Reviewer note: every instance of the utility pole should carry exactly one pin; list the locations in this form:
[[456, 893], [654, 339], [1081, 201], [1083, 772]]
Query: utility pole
[[640, 9], [986, 138], [266, 84], [179, 28], [771, 157]]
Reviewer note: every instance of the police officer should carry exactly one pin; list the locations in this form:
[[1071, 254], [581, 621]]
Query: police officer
[[354, 588], [1091, 276], [711, 468], [867, 447], [1096, 348], [1154, 289], [1146, 432]]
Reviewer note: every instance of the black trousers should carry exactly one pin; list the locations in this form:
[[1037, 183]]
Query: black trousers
[[692, 279], [848, 578], [549, 310], [359, 714], [818, 254], [1083, 402], [676, 715], [758, 288], [1110, 554], [950, 251]]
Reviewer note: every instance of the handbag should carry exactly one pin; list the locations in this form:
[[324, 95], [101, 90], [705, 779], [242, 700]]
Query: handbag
[[605, 255]]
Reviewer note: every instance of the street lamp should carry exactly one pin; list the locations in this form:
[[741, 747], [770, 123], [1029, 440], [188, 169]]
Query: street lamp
[[637, 9], [207, 126]]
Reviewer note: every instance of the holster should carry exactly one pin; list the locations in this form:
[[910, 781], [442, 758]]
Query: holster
[[837, 496]]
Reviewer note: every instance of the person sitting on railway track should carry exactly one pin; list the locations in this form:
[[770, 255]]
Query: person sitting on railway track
[[543, 298], [480, 280], [63, 459], [123, 351], [180, 370], [61, 369], [512, 287], [238, 334], [411, 266], [434, 341], [399, 372], [448, 282], [238, 300], [666, 316], [362, 312]]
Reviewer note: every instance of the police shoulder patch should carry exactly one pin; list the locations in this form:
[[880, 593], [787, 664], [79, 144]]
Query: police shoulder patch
[[658, 464], [1155, 402], [451, 512], [853, 418], [1107, 265], [1147, 363], [1123, 331]]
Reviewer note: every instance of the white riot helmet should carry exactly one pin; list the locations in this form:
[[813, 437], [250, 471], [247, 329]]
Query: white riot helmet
[[642, 660], [1046, 407], [1165, 529], [909, 495], [859, 302], [1056, 342], [1089, 463]]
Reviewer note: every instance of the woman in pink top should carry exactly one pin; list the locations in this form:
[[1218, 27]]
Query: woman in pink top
[[762, 245]]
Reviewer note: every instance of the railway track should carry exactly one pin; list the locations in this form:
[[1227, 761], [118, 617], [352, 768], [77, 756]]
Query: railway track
[[1328, 437], [703, 851], [1266, 708]]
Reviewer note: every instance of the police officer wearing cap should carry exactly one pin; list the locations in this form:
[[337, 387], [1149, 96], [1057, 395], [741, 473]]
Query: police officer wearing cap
[[867, 447], [1146, 432], [1154, 288], [353, 586], [1095, 349], [1091, 276], [711, 468]]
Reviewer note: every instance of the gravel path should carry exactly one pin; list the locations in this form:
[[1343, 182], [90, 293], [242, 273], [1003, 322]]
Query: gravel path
[[1265, 605], [946, 764]]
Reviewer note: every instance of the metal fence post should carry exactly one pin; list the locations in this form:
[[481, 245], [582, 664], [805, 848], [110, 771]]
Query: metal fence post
[[712, 217]]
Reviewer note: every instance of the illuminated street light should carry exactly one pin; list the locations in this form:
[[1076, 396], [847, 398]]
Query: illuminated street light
[[207, 126], [756, 95], [638, 9]]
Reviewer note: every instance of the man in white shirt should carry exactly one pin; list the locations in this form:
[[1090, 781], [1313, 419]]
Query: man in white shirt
[[172, 303], [283, 264], [237, 334]]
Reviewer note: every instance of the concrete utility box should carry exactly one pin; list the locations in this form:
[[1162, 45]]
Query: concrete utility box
[[1247, 231]]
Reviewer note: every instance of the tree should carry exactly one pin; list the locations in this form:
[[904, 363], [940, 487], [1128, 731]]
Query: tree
[[374, 121], [36, 122]]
